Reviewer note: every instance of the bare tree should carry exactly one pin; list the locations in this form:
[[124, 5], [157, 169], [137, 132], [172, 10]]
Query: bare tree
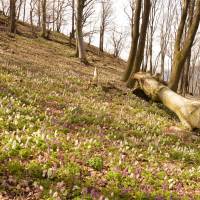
[[138, 41], [129, 11], [39, 12], [79, 30], [153, 22], [84, 10], [118, 39], [106, 13], [32, 8], [184, 81], [165, 33], [152, 27], [183, 47], [91, 32], [88, 11], [72, 34], [44, 18], [12, 16], [60, 10], [134, 43], [19, 6], [24, 11], [194, 71]]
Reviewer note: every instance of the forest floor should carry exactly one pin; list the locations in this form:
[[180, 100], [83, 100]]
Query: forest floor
[[63, 137]]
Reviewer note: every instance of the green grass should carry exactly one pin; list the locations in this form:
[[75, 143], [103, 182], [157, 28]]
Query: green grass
[[62, 136]]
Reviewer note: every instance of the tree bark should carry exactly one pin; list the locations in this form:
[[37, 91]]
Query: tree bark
[[141, 45], [39, 13], [53, 15], [101, 39], [180, 55], [187, 110], [24, 11], [19, 9], [134, 43], [184, 86], [12, 16], [79, 27], [106, 12], [73, 20], [44, 18], [184, 89]]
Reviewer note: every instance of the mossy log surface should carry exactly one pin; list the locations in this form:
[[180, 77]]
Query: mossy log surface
[[187, 110]]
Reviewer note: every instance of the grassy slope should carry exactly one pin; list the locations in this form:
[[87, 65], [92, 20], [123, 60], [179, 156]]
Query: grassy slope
[[63, 138]]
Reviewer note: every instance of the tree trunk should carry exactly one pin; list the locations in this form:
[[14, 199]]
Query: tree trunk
[[19, 9], [146, 58], [73, 20], [101, 41], [44, 18], [187, 110], [76, 50], [12, 16], [79, 26], [134, 43], [24, 12], [180, 55], [185, 73], [151, 53], [39, 13], [31, 18], [140, 50], [163, 65], [48, 22], [53, 15], [184, 86]]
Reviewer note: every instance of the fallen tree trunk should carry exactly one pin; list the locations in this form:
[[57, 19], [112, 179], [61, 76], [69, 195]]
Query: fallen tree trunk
[[187, 110]]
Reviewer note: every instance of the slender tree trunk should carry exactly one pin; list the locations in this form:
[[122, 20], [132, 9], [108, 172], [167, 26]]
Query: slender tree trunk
[[106, 12], [31, 17], [145, 61], [101, 41], [141, 45], [185, 73], [79, 26], [48, 22], [73, 20], [185, 88], [57, 16], [24, 12], [31, 20], [134, 43], [53, 15], [180, 55], [151, 52], [77, 50], [44, 18], [19, 10], [12, 16], [163, 65], [39, 13]]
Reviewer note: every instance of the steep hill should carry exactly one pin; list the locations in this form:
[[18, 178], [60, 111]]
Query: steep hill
[[64, 137]]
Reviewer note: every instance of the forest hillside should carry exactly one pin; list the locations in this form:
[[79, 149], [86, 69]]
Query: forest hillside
[[65, 136]]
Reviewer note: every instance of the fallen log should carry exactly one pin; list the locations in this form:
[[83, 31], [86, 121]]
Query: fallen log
[[187, 110]]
